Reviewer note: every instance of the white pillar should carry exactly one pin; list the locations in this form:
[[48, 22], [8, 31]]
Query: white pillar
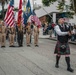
[[67, 2], [54, 17]]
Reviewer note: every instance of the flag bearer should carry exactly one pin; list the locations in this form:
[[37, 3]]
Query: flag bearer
[[0, 31], [28, 34], [3, 39], [12, 33], [36, 35], [20, 36]]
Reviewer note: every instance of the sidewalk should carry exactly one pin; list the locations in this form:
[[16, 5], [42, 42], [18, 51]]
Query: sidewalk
[[54, 38], [41, 36]]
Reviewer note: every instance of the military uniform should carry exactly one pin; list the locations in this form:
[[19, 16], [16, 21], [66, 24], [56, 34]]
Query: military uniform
[[20, 36], [11, 36], [3, 35], [0, 32], [28, 34], [32, 25], [36, 35]]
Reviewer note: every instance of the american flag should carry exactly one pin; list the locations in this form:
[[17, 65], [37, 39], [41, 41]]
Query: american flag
[[10, 17], [22, 21], [35, 19]]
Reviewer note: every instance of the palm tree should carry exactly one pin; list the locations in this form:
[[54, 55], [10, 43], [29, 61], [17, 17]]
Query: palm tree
[[2, 2]]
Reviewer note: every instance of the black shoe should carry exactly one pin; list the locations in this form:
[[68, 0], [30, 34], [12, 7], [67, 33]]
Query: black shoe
[[21, 45], [36, 45], [2, 46], [70, 70], [57, 66], [13, 46]]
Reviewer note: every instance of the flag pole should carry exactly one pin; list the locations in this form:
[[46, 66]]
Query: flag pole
[[24, 4], [33, 4]]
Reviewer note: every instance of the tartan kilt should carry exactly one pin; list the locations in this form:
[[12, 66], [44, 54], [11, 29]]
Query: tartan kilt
[[59, 51]]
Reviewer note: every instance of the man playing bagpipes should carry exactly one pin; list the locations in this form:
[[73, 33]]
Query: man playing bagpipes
[[62, 46]]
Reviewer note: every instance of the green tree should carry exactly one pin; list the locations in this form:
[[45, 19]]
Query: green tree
[[61, 4], [2, 2], [73, 5], [48, 2]]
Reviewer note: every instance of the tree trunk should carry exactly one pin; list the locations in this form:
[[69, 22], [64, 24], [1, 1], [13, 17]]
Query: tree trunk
[[75, 6], [2, 11]]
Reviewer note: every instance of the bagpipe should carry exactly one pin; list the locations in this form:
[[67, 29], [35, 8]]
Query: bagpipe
[[53, 25], [70, 30]]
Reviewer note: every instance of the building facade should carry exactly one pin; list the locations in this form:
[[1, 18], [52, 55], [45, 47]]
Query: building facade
[[56, 14]]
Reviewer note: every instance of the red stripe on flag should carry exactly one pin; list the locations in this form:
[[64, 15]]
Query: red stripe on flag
[[35, 19], [9, 18], [20, 13]]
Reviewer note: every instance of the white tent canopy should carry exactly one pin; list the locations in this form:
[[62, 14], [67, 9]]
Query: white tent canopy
[[45, 10]]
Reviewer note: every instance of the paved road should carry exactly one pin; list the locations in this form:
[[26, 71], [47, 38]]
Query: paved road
[[34, 60]]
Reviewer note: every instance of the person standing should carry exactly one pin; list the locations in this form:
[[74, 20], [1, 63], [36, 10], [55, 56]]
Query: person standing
[[62, 46], [3, 39], [28, 34], [36, 35], [32, 25], [0, 31], [20, 36], [12, 33]]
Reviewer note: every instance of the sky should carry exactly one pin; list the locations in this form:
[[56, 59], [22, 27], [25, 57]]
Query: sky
[[39, 2], [31, 1]]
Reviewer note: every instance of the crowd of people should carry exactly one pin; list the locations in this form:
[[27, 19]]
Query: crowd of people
[[48, 29], [16, 33]]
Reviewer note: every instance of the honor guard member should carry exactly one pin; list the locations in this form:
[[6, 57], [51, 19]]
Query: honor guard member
[[36, 35], [62, 46], [3, 35], [28, 34], [20, 36], [32, 26], [0, 31], [12, 33]]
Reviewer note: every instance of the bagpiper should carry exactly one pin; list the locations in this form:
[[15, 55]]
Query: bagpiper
[[62, 46]]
